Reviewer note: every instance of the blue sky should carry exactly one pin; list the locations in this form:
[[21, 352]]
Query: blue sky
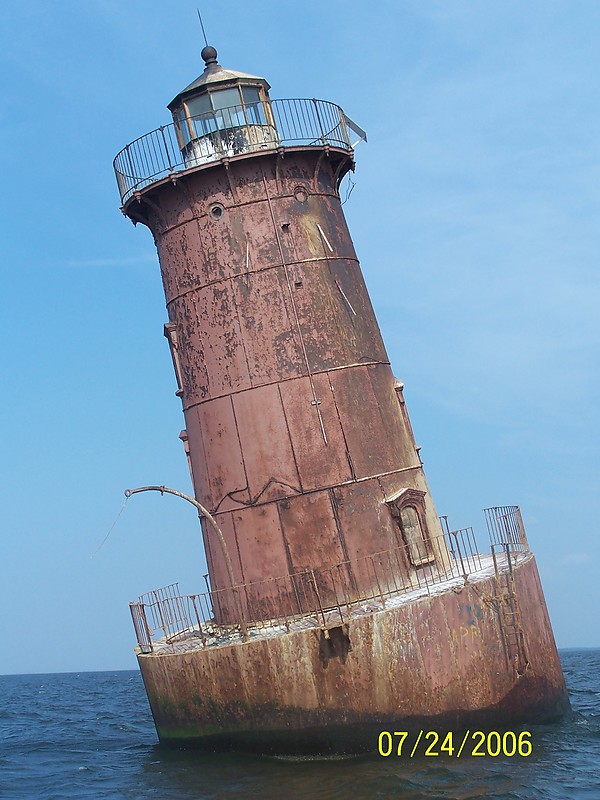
[[475, 215]]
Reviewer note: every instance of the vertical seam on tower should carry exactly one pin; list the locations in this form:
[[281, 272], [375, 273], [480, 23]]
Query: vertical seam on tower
[[295, 310], [287, 427], [347, 449], [286, 544], [213, 500], [341, 537], [237, 313], [237, 547], [237, 433]]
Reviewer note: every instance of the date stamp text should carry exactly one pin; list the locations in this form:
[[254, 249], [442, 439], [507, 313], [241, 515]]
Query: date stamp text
[[471, 743]]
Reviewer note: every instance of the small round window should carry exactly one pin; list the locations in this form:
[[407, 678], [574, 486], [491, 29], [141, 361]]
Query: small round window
[[301, 194], [216, 211]]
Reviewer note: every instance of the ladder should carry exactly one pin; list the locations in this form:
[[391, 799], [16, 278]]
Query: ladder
[[510, 614]]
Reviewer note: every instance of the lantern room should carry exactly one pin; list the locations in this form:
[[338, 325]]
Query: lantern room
[[222, 113]]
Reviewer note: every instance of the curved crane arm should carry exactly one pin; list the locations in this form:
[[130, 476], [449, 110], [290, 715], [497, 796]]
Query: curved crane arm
[[213, 523]]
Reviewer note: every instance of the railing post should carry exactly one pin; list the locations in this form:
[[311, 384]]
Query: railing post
[[507, 550], [318, 596], [521, 527], [202, 636], [282, 603], [462, 563], [138, 615], [164, 138], [335, 592], [495, 562], [382, 598], [160, 614], [344, 126], [133, 175], [315, 103]]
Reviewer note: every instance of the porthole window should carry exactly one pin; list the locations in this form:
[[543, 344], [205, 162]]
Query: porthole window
[[216, 211], [301, 194]]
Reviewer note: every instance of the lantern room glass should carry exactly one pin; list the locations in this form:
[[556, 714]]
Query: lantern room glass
[[219, 110]]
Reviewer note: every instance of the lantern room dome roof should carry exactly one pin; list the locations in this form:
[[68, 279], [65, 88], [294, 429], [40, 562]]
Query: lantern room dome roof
[[214, 74]]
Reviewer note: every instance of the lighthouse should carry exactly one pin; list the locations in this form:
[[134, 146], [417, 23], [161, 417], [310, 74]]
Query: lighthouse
[[337, 597]]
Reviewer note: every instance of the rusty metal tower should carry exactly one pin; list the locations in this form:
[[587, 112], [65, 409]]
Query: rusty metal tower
[[296, 431]]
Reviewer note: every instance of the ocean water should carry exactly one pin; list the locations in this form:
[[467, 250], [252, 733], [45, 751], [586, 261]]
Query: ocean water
[[91, 735]]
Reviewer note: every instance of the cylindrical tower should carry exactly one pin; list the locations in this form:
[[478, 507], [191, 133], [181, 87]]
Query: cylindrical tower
[[296, 431], [338, 605]]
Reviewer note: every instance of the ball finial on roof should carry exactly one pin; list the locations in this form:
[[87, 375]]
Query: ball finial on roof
[[209, 55]]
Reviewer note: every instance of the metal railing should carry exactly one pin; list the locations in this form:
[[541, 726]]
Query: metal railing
[[165, 620], [225, 133], [505, 527], [462, 547]]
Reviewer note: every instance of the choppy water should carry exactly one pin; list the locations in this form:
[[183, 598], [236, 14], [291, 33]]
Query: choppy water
[[90, 735]]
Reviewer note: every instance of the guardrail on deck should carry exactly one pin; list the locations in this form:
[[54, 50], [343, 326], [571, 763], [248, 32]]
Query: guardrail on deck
[[228, 132], [505, 526], [325, 597]]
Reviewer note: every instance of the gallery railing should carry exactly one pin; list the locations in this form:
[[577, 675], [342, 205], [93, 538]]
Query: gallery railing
[[164, 619], [505, 526], [227, 132]]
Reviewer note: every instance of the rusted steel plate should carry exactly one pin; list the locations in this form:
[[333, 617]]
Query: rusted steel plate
[[319, 463], [181, 260], [367, 436], [211, 352], [219, 464], [197, 458], [310, 531], [260, 542], [271, 339], [265, 441], [307, 235], [319, 228], [367, 527], [214, 553], [338, 327], [335, 299], [382, 381], [263, 554], [440, 660], [314, 542]]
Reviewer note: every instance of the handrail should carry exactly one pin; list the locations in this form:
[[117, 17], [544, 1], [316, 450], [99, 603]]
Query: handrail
[[505, 526], [330, 596], [237, 130]]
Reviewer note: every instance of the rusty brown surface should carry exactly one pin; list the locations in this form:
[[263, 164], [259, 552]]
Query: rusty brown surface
[[265, 442], [310, 531], [441, 658], [298, 437], [214, 433], [286, 387], [319, 464], [364, 423], [258, 531], [300, 445]]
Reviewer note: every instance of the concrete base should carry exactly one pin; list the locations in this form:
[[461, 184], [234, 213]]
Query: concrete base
[[442, 662]]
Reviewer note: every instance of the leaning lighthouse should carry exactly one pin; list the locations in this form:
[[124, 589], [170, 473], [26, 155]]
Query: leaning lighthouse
[[338, 599]]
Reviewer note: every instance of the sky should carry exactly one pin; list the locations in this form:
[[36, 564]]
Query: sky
[[474, 213]]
